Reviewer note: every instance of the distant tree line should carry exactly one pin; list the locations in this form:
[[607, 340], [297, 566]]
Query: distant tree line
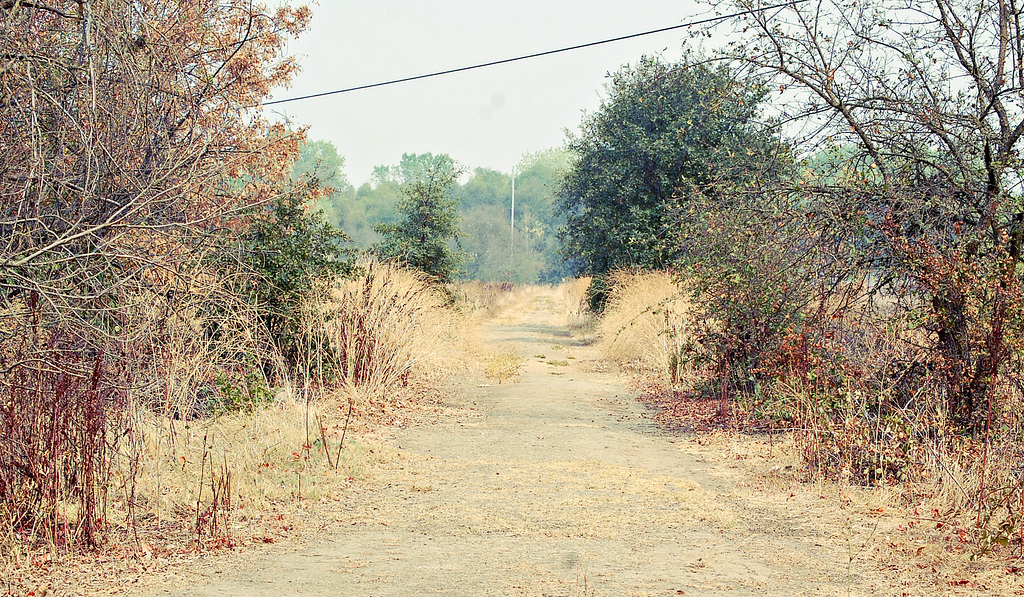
[[483, 210]]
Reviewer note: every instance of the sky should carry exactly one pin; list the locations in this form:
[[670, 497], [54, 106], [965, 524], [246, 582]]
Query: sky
[[483, 118]]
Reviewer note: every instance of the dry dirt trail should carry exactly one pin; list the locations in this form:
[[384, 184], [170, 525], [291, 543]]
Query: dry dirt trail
[[557, 484]]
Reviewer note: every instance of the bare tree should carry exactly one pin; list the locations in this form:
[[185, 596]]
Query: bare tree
[[128, 127], [920, 106], [131, 134]]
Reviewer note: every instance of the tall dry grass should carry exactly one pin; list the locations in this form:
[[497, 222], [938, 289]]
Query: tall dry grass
[[645, 322], [573, 295], [214, 471], [283, 453], [212, 352], [376, 330], [487, 298], [973, 487]]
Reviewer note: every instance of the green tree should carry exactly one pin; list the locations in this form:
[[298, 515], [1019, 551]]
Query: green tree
[[287, 246], [376, 202], [538, 179], [415, 166], [359, 212], [485, 239], [486, 187], [423, 239], [664, 132], [485, 206], [320, 160], [485, 200]]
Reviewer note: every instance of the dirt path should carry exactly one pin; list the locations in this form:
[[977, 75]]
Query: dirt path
[[560, 485]]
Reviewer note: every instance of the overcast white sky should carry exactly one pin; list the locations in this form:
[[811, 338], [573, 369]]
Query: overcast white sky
[[487, 117]]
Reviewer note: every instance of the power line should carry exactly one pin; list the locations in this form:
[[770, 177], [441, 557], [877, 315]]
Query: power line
[[537, 55]]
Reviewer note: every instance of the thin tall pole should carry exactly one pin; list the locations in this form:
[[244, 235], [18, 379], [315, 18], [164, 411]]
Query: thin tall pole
[[512, 225]]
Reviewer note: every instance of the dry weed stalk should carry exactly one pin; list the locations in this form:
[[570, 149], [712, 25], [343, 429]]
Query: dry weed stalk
[[381, 327], [238, 465]]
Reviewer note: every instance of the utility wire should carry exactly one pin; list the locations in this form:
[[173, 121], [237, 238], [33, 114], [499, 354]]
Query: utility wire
[[537, 55]]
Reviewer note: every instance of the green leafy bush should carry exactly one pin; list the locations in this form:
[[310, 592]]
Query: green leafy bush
[[286, 248]]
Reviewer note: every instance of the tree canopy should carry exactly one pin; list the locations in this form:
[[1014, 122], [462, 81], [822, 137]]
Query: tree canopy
[[483, 208], [663, 132], [123, 144], [423, 238], [920, 107]]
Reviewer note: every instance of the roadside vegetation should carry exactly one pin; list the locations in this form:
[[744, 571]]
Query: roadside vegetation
[[832, 247], [188, 347], [817, 229]]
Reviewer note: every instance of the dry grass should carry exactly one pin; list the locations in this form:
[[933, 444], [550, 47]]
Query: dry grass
[[487, 298], [981, 496], [362, 337], [274, 455], [239, 479], [645, 321], [376, 330], [573, 295], [202, 347], [504, 365], [206, 447]]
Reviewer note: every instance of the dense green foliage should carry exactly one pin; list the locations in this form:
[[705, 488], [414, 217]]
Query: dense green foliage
[[423, 238], [664, 133], [288, 247]]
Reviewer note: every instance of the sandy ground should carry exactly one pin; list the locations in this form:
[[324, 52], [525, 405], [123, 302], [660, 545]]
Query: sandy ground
[[558, 483]]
